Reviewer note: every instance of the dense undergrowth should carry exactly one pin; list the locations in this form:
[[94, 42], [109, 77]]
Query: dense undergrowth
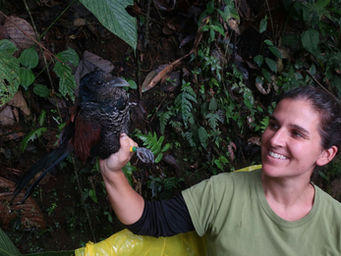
[[208, 116]]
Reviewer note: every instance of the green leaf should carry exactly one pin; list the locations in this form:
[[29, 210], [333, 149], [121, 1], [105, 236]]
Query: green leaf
[[158, 158], [218, 28], [213, 104], [210, 7], [26, 77], [229, 12], [263, 24], [268, 42], [67, 82], [9, 78], [266, 75], [212, 120], [164, 117], [184, 102], [31, 137], [166, 147], [92, 195], [271, 64], [41, 90], [69, 56], [29, 58], [112, 14], [42, 117], [132, 84], [7, 247], [310, 41], [128, 170], [203, 136], [321, 4], [7, 47], [275, 51], [259, 60]]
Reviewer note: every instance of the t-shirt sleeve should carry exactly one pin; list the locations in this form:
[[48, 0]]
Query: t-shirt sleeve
[[163, 218], [206, 199]]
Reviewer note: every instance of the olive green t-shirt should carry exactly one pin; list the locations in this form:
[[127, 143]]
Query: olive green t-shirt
[[231, 210]]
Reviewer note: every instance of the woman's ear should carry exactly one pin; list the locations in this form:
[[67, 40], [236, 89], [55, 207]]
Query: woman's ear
[[327, 155]]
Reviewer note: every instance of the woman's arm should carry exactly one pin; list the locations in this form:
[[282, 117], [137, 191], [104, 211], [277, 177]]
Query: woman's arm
[[156, 218], [126, 202]]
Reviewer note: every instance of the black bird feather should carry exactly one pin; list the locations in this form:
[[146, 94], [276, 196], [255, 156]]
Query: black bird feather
[[98, 118]]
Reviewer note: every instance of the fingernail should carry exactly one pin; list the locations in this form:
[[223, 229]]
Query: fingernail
[[123, 135]]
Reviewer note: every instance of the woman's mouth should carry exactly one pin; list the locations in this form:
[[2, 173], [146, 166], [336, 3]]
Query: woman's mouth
[[277, 156]]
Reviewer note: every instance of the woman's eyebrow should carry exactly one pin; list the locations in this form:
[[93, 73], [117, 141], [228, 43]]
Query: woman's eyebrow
[[293, 126], [300, 129]]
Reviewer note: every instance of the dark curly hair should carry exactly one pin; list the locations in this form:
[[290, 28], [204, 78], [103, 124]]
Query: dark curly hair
[[329, 109]]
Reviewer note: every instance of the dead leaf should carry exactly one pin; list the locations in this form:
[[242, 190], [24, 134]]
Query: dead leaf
[[90, 62], [155, 77], [149, 77], [231, 149], [14, 136], [233, 24], [7, 116], [30, 213], [20, 102], [79, 22], [3, 32], [254, 140], [20, 32], [263, 88]]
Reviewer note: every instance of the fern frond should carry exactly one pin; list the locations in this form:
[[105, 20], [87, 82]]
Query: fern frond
[[164, 118], [189, 137], [176, 125], [184, 102], [154, 143], [214, 118]]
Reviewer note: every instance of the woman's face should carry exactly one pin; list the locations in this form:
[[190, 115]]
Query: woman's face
[[291, 144]]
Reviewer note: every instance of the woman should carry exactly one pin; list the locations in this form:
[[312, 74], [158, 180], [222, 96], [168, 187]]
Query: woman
[[273, 211]]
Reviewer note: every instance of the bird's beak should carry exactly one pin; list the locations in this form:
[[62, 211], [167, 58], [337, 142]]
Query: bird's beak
[[119, 82]]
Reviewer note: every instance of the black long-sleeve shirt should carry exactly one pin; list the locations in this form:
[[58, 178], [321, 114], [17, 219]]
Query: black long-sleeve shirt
[[163, 218]]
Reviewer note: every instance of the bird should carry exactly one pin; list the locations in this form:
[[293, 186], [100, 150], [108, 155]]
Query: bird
[[98, 118]]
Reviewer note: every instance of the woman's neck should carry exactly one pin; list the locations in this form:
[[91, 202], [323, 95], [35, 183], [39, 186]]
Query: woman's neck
[[290, 199]]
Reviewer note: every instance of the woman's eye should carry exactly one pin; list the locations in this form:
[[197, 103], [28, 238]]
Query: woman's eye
[[297, 134]]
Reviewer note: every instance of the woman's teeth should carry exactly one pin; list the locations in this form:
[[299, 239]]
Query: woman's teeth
[[277, 156]]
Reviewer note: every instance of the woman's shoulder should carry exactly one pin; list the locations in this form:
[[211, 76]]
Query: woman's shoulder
[[327, 201], [238, 176]]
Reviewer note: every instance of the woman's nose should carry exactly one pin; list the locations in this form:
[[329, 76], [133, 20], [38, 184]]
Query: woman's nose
[[278, 138]]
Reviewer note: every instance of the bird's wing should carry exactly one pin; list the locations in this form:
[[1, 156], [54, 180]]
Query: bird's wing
[[87, 135]]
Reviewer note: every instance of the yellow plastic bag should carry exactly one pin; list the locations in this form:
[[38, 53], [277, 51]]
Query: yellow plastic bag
[[128, 244]]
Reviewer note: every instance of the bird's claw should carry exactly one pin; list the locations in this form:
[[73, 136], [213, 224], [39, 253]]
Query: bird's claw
[[144, 154]]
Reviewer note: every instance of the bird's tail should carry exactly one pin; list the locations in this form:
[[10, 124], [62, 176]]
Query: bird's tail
[[41, 168]]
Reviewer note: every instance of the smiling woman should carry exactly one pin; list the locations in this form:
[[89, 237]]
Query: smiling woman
[[273, 211], [292, 144]]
